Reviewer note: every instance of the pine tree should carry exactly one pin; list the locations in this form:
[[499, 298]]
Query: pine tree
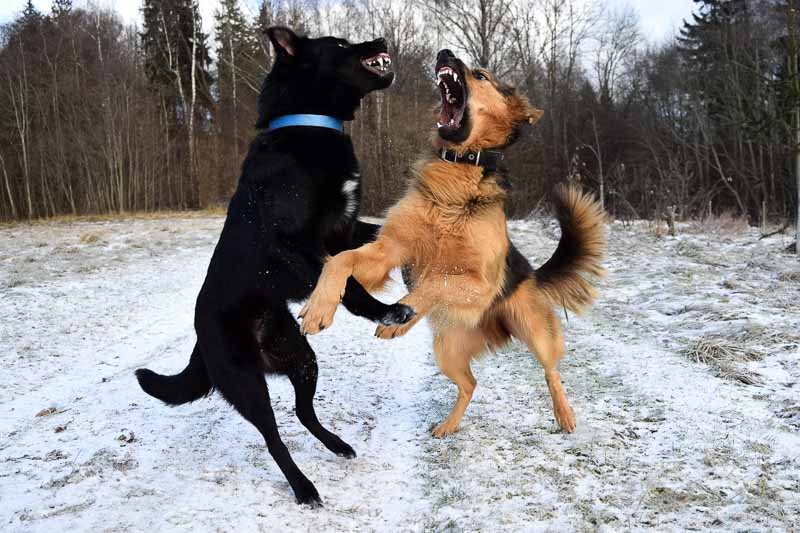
[[788, 89], [30, 13], [236, 47], [706, 42], [172, 30], [177, 67], [265, 18], [241, 67], [61, 8], [719, 64], [31, 19]]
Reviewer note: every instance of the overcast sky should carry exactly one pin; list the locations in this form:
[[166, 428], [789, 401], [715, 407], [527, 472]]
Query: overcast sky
[[660, 19]]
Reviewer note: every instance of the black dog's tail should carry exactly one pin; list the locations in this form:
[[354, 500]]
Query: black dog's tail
[[190, 385], [579, 252]]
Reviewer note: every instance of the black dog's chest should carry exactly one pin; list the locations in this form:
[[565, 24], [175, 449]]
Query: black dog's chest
[[340, 200], [350, 195]]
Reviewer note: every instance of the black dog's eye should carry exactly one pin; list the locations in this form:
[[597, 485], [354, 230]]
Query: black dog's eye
[[480, 76], [344, 45]]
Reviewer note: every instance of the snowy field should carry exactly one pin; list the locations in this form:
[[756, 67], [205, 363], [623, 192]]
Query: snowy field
[[670, 437]]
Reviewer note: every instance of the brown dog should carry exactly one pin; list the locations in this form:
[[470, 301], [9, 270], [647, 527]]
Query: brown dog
[[449, 235]]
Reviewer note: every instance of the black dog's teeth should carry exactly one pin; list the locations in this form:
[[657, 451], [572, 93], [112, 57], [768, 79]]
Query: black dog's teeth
[[380, 63]]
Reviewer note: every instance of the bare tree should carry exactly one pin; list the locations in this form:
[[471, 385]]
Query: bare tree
[[616, 40], [479, 28]]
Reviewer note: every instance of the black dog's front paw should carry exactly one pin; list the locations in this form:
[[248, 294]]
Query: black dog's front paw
[[398, 314]]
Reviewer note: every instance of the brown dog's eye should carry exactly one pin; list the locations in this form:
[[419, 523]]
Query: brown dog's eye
[[480, 76]]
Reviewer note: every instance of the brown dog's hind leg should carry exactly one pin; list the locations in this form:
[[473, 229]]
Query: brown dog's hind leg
[[454, 349], [532, 321]]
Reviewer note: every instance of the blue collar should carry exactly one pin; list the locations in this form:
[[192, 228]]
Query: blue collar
[[320, 121]]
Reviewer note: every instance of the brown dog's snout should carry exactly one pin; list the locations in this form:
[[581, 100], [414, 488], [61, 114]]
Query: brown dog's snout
[[444, 55]]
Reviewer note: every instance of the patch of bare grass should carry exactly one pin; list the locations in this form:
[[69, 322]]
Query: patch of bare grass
[[215, 210], [725, 356], [790, 276], [725, 223], [689, 249], [90, 237]]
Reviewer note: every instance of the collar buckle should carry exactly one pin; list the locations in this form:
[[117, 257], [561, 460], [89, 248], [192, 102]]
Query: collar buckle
[[445, 153], [488, 159]]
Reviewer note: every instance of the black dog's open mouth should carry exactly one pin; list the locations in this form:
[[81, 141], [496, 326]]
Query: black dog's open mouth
[[380, 64], [454, 98]]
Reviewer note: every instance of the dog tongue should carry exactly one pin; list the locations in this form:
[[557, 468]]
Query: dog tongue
[[450, 115], [459, 114]]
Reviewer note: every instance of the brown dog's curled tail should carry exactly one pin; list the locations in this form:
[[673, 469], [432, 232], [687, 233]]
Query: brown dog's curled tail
[[579, 252]]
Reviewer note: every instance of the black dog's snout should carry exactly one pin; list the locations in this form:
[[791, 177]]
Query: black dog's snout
[[444, 55], [380, 41]]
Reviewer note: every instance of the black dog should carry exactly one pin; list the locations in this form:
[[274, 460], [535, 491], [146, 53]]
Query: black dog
[[296, 202]]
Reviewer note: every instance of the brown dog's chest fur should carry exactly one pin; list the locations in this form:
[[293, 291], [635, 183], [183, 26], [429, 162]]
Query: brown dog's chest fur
[[451, 223]]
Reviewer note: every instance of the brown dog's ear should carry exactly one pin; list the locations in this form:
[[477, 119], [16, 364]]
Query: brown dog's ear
[[284, 40], [533, 114]]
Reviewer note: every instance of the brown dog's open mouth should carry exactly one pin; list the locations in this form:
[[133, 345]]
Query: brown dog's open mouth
[[380, 64], [454, 100]]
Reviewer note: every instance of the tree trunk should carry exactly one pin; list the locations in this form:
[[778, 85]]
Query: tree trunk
[[599, 163], [797, 175], [792, 22], [8, 189], [192, 166]]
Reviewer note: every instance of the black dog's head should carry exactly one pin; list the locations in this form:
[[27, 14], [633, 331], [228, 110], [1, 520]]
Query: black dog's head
[[325, 76]]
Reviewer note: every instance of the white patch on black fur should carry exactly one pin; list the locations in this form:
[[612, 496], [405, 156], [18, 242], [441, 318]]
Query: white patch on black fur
[[349, 190]]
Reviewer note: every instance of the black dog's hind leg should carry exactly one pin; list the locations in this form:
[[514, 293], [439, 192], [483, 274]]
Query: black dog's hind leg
[[250, 396], [243, 385], [300, 365]]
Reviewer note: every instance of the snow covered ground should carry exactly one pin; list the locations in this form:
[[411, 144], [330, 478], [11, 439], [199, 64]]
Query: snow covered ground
[[663, 442]]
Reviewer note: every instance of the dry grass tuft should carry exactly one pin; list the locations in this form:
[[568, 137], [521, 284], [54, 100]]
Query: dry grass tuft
[[724, 356], [689, 249], [90, 238], [790, 276], [725, 223]]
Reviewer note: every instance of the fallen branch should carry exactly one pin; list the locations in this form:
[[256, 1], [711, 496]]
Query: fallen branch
[[784, 228]]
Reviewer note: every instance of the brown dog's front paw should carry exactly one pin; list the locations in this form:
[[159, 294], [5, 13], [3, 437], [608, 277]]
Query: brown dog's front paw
[[447, 427], [316, 316], [565, 418], [390, 332]]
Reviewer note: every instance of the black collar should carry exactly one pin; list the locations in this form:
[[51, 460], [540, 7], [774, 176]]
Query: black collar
[[487, 159]]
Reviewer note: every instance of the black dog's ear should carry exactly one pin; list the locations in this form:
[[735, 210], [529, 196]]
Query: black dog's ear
[[284, 40]]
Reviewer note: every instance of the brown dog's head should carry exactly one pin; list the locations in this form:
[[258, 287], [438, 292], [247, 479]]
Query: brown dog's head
[[478, 111]]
